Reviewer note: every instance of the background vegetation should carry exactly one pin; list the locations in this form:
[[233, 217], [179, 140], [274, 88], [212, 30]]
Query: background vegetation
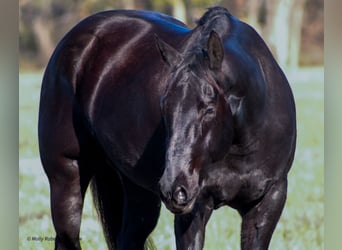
[[43, 23], [292, 28]]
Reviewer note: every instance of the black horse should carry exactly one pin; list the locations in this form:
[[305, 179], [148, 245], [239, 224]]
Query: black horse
[[146, 109]]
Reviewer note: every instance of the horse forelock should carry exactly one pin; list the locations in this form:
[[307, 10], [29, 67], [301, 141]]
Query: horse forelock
[[196, 61], [193, 71]]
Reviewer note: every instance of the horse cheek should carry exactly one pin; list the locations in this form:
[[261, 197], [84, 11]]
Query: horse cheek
[[222, 137]]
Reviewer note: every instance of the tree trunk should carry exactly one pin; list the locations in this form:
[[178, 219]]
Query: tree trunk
[[43, 36], [179, 10], [296, 33], [253, 13], [280, 31]]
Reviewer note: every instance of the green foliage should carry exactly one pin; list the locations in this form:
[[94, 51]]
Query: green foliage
[[301, 224]]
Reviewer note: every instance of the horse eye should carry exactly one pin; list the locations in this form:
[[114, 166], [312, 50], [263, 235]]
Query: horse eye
[[210, 111]]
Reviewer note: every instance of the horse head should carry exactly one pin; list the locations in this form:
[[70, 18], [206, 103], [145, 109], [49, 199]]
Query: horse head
[[197, 118]]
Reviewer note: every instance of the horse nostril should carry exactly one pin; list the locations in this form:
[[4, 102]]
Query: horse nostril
[[180, 195]]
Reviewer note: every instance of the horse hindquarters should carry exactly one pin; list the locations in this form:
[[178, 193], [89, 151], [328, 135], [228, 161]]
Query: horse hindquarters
[[60, 155], [67, 195], [67, 189]]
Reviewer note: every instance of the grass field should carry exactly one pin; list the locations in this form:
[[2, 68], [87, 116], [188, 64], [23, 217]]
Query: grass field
[[300, 227]]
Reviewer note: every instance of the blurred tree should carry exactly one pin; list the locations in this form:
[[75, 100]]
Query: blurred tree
[[285, 31], [41, 23], [312, 44], [281, 24], [293, 29], [176, 8], [295, 36], [279, 35]]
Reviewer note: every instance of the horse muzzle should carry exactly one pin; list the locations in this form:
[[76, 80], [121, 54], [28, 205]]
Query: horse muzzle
[[179, 200]]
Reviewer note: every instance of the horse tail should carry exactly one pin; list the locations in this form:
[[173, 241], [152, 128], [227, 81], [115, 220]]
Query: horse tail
[[108, 199], [149, 244]]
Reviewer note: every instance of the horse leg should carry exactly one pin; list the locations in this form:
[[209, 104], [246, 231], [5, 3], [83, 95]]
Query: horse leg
[[259, 222], [67, 190], [140, 215], [190, 228]]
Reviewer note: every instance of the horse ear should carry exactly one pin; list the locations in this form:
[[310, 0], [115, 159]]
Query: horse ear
[[215, 51], [171, 56]]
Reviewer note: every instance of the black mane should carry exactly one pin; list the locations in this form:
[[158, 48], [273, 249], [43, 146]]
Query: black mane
[[211, 14], [216, 19]]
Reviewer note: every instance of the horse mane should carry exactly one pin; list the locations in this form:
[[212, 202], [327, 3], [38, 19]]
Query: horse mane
[[215, 18], [212, 13]]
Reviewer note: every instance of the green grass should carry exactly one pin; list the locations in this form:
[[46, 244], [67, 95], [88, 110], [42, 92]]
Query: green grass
[[301, 224], [29, 92]]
